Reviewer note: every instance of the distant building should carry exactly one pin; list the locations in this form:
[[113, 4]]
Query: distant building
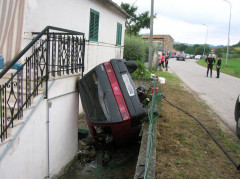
[[164, 43]]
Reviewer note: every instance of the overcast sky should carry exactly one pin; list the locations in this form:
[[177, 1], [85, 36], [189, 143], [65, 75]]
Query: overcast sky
[[183, 19]]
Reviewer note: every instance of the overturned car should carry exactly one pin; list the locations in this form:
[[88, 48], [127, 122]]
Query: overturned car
[[111, 103]]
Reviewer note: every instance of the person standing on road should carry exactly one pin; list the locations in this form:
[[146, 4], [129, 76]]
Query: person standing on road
[[166, 62], [218, 66], [210, 62], [162, 60], [159, 61]]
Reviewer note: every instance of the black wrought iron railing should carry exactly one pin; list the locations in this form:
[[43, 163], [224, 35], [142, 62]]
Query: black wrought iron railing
[[53, 52]]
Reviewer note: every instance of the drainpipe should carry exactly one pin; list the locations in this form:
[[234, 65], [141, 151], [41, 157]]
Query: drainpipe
[[49, 105]]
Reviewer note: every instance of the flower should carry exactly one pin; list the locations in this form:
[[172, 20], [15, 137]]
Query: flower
[[142, 72]]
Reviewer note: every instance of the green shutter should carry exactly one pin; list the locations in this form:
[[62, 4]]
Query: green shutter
[[93, 25], [119, 34]]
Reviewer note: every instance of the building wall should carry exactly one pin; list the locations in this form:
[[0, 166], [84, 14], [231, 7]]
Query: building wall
[[74, 15], [168, 44], [27, 157], [165, 40]]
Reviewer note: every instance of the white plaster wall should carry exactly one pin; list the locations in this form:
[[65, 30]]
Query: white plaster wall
[[74, 15], [63, 131], [27, 157]]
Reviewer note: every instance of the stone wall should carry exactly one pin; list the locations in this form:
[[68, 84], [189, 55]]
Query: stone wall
[[165, 40]]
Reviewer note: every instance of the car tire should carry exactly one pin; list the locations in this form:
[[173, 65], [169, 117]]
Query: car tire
[[237, 116]]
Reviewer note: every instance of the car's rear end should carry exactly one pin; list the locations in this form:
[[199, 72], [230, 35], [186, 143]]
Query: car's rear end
[[110, 101], [180, 57]]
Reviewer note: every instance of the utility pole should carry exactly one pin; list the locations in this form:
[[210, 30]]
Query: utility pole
[[228, 30], [151, 35], [205, 40]]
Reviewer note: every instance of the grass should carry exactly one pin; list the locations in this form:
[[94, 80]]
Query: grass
[[184, 150], [233, 67], [169, 77]]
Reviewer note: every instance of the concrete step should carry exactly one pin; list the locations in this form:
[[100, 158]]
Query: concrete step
[[22, 82], [12, 106], [22, 94], [16, 124], [11, 131]]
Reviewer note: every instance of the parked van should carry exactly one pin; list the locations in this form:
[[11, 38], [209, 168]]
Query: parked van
[[198, 57]]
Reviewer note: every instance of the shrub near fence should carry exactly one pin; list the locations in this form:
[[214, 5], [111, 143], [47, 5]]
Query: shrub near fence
[[135, 48]]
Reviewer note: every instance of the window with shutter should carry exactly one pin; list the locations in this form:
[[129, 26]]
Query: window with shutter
[[93, 25], [119, 34]]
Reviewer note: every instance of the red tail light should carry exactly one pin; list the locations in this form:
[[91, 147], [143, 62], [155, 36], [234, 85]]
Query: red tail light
[[116, 91]]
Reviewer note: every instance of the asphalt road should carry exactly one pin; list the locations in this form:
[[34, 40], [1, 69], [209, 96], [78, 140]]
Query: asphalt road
[[219, 94]]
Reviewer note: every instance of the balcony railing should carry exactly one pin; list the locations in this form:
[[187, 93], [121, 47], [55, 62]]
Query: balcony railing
[[53, 52]]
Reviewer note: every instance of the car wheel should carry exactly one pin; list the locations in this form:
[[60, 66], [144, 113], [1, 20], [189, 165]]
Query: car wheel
[[237, 116]]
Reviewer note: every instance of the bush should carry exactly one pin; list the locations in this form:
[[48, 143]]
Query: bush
[[142, 71], [135, 48]]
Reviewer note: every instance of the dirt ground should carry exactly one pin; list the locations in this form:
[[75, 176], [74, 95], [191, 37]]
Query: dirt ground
[[89, 164], [184, 150]]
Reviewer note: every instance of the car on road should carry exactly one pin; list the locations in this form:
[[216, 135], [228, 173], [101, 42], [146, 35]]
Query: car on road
[[192, 56], [237, 116], [198, 57], [172, 56], [187, 56], [184, 55], [180, 57]]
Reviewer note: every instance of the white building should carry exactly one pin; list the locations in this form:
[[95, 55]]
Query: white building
[[102, 21], [45, 140]]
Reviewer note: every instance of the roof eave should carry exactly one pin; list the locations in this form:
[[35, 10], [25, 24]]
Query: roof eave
[[118, 7]]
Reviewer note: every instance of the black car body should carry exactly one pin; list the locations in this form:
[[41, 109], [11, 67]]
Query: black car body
[[110, 102], [180, 57]]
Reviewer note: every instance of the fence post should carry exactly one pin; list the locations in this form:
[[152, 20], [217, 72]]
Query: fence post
[[47, 63]]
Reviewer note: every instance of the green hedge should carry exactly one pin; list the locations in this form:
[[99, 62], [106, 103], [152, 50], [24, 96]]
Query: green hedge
[[135, 48]]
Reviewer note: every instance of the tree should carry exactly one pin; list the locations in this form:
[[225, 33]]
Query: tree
[[237, 45], [135, 48], [135, 22], [180, 47], [189, 50], [200, 49], [219, 51], [195, 46]]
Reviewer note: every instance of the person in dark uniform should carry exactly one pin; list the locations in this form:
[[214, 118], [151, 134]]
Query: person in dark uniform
[[218, 66], [166, 62], [143, 97], [210, 62]]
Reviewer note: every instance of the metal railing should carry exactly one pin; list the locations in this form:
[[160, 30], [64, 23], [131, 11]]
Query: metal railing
[[53, 52]]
